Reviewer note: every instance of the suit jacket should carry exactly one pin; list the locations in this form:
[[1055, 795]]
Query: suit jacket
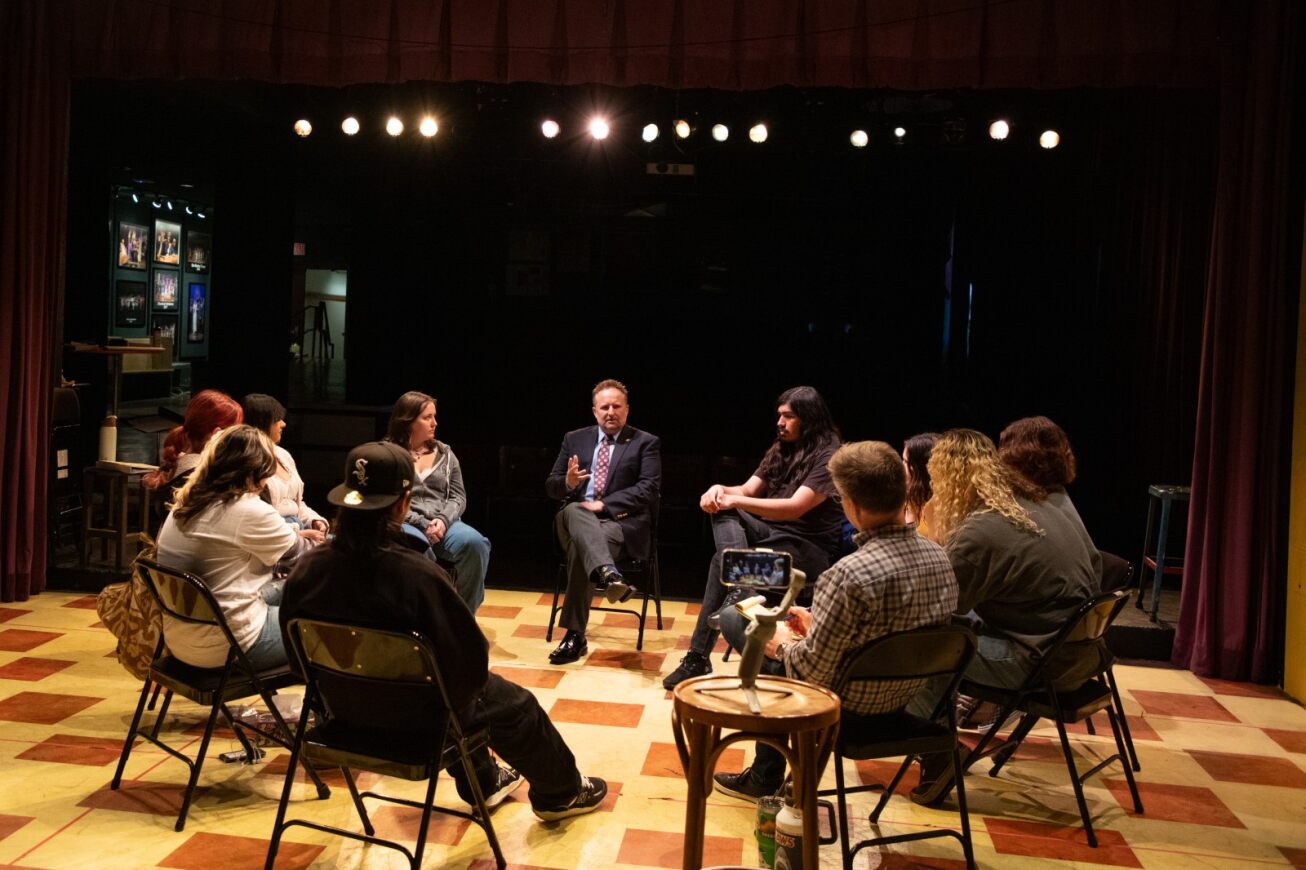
[[634, 480]]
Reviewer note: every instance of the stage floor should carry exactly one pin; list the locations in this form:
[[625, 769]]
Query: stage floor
[[1223, 780]]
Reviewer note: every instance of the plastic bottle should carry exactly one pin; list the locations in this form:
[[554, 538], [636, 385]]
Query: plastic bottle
[[789, 838], [109, 438], [767, 809]]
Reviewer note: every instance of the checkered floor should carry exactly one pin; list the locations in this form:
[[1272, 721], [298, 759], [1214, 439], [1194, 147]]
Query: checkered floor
[[1223, 780]]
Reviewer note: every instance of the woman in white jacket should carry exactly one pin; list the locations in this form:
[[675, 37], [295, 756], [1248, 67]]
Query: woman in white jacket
[[285, 487]]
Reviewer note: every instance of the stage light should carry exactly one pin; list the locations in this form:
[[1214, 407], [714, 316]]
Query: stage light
[[428, 127], [650, 132], [394, 126], [899, 132], [720, 132], [188, 211], [169, 205], [303, 128], [550, 128], [200, 215], [757, 133], [683, 129], [1050, 139], [859, 138], [135, 198], [156, 204], [599, 128], [999, 130], [349, 125]]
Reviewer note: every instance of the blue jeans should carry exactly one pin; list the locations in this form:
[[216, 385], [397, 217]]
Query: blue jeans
[[469, 551], [268, 651]]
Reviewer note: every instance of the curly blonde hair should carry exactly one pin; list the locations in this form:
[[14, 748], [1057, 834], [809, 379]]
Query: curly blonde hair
[[968, 477]]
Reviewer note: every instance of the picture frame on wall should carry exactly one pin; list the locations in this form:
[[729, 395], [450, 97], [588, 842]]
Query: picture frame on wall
[[133, 245], [197, 314], [167, 242], [165, 325], [129, 304], [199, 247], [165, 290]]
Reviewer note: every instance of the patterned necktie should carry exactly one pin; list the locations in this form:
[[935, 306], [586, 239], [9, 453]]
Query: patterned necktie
[[601, 467]]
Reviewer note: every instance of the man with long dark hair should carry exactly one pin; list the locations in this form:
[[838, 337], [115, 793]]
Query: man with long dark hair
[[788, 504], [368, 576]]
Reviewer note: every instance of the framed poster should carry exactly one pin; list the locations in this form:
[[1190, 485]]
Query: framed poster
[[167, 242], [165, 290], [165, 326], [129, 304], [198, 246], [133, 243], [196, 313]]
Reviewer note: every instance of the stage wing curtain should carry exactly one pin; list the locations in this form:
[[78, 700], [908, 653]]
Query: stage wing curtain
[[33, 166], [1235, 560]]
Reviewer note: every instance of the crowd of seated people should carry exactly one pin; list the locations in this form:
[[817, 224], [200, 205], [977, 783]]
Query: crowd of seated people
[[952, 528]]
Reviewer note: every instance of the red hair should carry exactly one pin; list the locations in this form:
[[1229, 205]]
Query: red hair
[[1039, 451], [207, 411]]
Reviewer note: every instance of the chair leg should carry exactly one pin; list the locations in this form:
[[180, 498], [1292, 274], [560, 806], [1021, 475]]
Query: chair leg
[[198, 763], [1147, 545], [553, 609], [358, 801], [279, 824], [131, 736], [1074, 781], [1124, 720], [1124, 761], [960, 777], [426, 817], [162, 714], [843, 811], [890, 788], [155, 697], [482, 811], [1088, 726], [322, 791], [1013, 741], [643, 615], [657, 587]]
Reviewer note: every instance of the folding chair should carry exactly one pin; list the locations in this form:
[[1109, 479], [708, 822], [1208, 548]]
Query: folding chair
[[382, 706], [1039, 698], [185, 597], [906, 656], [645, 574]]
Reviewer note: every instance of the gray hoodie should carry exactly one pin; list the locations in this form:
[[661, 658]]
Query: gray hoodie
[[441, 495]]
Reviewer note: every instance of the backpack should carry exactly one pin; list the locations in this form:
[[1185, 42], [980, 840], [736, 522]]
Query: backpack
[[131, 614]]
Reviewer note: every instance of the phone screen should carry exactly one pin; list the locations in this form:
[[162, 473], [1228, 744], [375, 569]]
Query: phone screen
[[756, 568]]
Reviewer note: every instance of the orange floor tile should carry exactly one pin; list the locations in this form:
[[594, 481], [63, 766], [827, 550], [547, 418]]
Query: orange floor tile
[[1223, 780]]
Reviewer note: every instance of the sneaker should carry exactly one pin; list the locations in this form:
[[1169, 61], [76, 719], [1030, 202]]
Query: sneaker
[[936, 778], [506, 782], [509, 780], [592, 792], [692, 665], [742, 785]]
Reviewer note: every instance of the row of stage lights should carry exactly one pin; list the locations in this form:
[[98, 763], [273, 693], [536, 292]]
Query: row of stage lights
[[600, 129], [162, 202]]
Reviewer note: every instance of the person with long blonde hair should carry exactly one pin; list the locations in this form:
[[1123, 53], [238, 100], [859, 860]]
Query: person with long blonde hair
[[1022, 568]]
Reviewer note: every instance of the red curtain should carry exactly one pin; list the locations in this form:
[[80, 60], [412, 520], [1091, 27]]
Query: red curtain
[[33, 163], [1235, 559]]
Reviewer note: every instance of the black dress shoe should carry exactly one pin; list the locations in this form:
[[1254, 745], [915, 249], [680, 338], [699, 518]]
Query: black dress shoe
[[573, 646]]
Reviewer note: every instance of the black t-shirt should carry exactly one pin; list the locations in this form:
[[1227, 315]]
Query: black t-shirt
[[823, 523]]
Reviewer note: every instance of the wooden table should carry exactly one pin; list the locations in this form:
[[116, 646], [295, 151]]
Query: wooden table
[[114, 355], [798, 719]]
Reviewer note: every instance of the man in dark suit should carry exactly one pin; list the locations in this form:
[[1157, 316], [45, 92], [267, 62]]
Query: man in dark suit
[[609, 476]]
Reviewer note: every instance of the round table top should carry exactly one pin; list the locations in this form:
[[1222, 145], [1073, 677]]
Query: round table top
[[797, 706]]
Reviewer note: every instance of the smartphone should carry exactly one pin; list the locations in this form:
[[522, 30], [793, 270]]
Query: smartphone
[[757, 569]]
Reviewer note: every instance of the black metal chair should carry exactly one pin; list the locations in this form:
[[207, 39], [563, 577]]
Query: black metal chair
[[1039, 698], [645, 574], [185, 597], [904, 657], [382, 706]]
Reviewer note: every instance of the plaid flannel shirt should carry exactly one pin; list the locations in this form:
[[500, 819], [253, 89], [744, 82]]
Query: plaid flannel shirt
[[896, 580]]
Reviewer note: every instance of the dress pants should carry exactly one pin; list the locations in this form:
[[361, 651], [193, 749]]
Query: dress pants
[[523, 736], [589, 542]]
